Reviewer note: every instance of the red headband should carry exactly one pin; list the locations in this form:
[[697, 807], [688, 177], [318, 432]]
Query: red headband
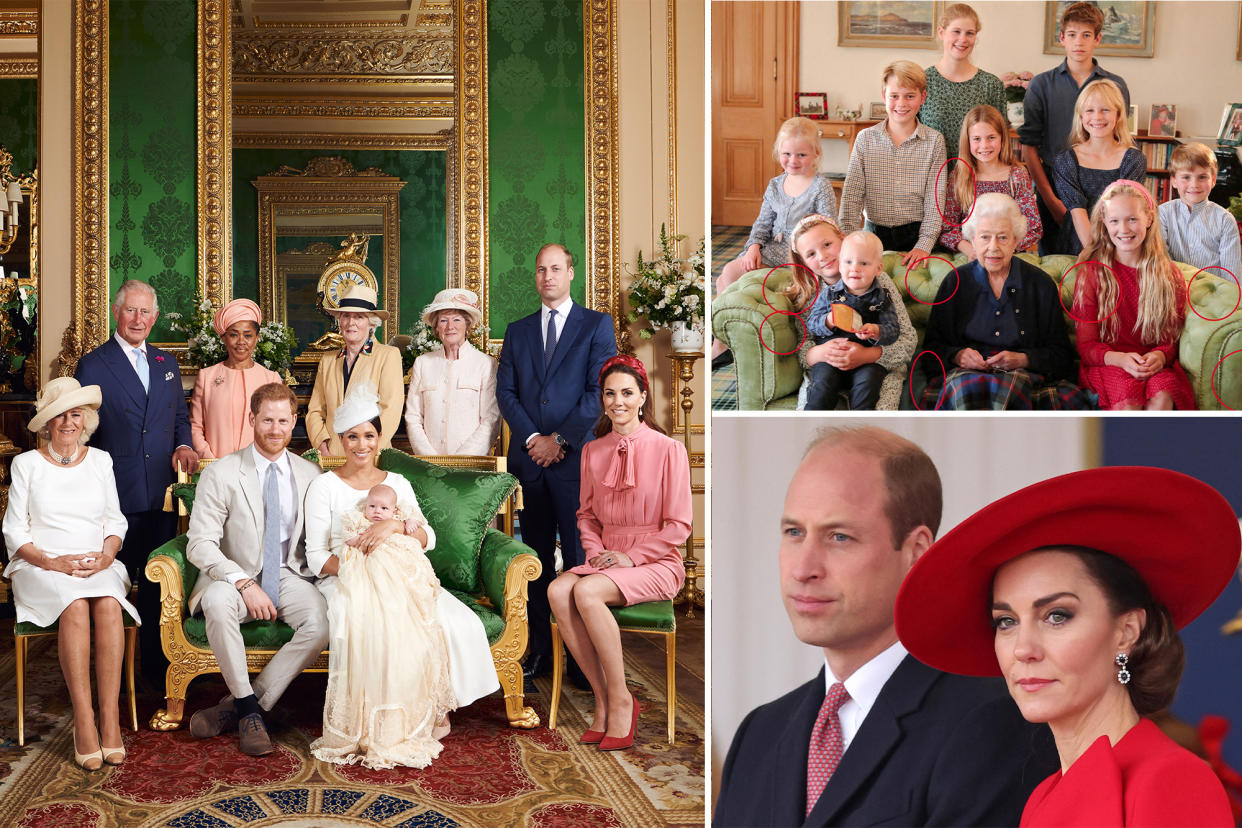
[[629, 362]]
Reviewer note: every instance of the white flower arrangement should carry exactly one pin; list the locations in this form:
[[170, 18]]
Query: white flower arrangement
[[667, 289], [273, 351]]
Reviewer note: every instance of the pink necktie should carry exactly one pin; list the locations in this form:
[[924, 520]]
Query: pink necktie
[[620, 474], [826, 745]]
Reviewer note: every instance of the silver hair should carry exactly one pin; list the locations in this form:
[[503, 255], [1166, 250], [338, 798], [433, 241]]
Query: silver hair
[[373, 321], [90, 422], [138, 285], [996, 205]]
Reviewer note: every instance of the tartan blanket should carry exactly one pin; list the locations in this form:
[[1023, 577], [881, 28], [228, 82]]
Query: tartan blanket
[[1019, 390]]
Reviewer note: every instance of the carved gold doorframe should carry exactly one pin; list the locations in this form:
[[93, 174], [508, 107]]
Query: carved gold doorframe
[[468, 188]]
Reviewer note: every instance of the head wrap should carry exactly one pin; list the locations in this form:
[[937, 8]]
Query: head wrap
[[239, 310], [361, 405], [1151, 202], [629, 362]]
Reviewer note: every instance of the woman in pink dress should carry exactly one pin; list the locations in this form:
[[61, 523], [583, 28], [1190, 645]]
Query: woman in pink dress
[[635, 511], [220, 404]]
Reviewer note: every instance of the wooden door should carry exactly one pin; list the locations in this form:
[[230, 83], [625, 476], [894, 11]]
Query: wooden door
[[754, 78]]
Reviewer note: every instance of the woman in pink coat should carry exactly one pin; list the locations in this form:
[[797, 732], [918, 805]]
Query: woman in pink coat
[[635, 511], [220, 404]]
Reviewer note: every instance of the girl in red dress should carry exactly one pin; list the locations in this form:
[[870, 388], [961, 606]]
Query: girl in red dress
[[635, 511], [1130, 313]]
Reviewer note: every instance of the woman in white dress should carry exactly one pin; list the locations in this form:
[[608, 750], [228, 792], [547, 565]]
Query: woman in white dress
[[63, 528], [388, 693], [451, 407]]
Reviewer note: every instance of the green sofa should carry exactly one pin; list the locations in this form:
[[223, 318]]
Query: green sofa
[[766, 381], [484, 568]]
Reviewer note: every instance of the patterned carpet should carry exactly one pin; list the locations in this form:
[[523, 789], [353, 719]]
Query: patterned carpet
[[727, 244], [488, 775]]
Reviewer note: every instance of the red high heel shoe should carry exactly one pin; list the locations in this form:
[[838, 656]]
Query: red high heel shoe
[[622, 742], [591, 737]]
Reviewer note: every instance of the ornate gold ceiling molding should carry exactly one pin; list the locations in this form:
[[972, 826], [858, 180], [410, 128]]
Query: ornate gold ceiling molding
[[468, 178], [380, 108], [19, 67], [19, 24], [386, 83], [345, 54], [215, 155], [264, 23], [89, 201], [603, 234], [671, 72], [441, 140]]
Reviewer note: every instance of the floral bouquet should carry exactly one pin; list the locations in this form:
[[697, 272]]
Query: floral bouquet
[[204, 348], [1016, 84], [667, 289], [423, 339]]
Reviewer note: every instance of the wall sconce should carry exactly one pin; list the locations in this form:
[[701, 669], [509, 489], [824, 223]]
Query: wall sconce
[[10, 201]]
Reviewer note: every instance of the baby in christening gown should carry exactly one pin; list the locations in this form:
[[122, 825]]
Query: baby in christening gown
[[388, 674]]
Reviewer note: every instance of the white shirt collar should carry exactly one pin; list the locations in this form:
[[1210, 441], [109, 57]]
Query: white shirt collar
[[562, 310], [864, 687], [126, 347], [261, 463]]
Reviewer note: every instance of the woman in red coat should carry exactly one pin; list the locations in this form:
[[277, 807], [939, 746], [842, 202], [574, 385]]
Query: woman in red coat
[[1073, 590], [635, 511]]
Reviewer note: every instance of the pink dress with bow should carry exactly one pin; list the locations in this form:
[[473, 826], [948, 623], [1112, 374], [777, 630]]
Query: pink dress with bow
[[636, 499]]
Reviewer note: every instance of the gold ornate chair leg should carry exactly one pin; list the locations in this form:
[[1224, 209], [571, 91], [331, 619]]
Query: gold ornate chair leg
[[20, 652], [131, 637], [176, 682], [558, 666], [670, 646], [518, 714]]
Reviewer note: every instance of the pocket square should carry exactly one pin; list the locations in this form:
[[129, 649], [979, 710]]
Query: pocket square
[[168, 376]]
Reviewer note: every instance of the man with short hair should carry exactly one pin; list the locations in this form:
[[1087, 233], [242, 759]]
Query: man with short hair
[[547, 386], [145, 427], [247, 541], [876, 737]]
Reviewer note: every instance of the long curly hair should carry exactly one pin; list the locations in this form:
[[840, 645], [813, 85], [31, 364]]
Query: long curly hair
[[804, 285], [1160, 304], [964, 185]]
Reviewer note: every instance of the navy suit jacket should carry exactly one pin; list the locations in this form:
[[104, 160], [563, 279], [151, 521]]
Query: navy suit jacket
[[139, 429], [563, 398], [935, 749]]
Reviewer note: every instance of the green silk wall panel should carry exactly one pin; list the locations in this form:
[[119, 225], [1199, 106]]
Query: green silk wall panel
[[19, 122], [152, 125], [424, 219], [536, 148]]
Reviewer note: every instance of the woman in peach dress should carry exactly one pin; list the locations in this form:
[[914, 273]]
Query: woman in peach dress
[[220, 405], [635, 510]]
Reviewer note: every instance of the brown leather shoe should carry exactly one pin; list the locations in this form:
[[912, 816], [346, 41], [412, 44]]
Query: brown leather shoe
[[252, 734], [212, 721]]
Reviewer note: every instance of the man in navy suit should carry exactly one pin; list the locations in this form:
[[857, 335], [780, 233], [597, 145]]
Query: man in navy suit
[[547, 386], [144, 425], [916, 746]]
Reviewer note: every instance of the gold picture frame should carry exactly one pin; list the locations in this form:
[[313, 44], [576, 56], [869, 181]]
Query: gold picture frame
[[903, 24], [1140, 14]]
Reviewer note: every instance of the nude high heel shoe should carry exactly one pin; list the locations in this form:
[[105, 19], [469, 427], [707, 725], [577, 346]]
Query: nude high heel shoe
[[80, 759]]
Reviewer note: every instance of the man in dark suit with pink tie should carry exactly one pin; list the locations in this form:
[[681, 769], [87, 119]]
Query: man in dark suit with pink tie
[[145, 427], [876, 738], [547, 386]]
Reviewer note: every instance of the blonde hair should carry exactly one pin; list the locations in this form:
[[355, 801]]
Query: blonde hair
[[1189, 156], [964, 185], [1160, 301], [800, 128], [868, 238], [957, 11], [907, 73], [90, 422], [804, 285], [1107, 90]]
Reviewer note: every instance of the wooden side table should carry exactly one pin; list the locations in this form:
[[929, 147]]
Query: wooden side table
[[683, 386]]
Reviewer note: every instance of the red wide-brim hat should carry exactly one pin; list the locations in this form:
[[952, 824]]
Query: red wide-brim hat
[[1178, 533]]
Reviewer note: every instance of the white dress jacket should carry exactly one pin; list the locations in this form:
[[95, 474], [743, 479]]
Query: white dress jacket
[[451, 407]]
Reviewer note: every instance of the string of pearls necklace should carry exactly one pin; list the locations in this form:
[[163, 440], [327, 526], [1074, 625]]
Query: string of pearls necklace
[[64, 461]]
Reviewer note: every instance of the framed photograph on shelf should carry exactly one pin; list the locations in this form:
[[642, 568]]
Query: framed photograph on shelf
[[1163, 121], [813, 105], [1134, 119], [1231, 126], [1129, 29], [900, 24], [877, 111]]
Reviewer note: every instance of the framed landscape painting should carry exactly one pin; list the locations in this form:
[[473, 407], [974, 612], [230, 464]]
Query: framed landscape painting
[[901, 24], [1129, 29]]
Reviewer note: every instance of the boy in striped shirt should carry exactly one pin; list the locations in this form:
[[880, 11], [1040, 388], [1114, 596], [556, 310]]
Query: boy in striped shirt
[[1197, 231]]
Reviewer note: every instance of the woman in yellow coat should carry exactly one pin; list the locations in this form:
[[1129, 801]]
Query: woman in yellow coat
[[362, 358]]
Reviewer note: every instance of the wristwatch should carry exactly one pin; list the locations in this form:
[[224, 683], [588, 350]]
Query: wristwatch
[[560, 441]]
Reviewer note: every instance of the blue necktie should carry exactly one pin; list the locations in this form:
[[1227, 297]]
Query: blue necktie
[[270, 579], [549, 342], [144, 372]]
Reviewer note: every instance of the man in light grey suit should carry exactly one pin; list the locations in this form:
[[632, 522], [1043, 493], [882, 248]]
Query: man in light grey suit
[[246, 539]]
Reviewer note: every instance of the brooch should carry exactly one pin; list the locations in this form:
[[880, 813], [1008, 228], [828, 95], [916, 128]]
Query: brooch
[[168, 376], [219, 380]]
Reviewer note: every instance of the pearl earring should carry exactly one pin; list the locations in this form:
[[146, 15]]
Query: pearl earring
[[1123, 675]]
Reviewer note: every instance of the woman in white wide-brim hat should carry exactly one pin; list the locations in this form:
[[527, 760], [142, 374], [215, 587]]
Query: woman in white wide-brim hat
[[451, 407], [63, 529], [362, 359]]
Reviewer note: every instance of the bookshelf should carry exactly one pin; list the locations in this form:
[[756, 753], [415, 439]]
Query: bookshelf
[[1157, 149]]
